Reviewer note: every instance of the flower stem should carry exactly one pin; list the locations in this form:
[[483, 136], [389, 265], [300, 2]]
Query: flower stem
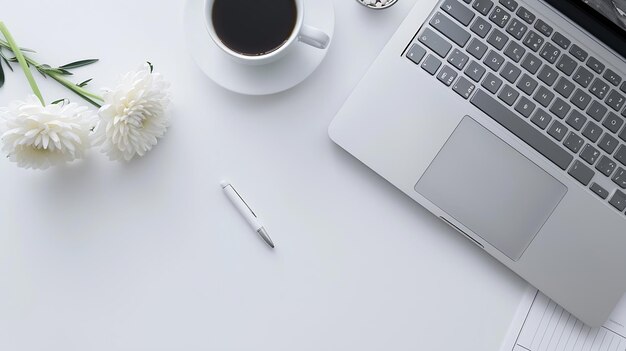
[[22, 61], [83, 93], [87, 96]]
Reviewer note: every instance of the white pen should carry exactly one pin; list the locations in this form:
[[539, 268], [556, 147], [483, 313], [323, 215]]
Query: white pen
[[246, 211]]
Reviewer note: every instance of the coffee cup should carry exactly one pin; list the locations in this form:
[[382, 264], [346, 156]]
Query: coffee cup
[[260, 31]]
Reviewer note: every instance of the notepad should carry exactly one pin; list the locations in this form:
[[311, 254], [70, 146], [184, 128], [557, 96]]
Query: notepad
[[542, 325]]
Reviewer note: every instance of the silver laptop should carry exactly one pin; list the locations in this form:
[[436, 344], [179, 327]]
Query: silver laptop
[[506, 119]]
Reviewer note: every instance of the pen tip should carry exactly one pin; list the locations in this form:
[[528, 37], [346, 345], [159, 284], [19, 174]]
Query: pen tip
[[263, 233]]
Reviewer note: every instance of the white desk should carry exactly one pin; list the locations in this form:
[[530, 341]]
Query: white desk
[[152, 256]]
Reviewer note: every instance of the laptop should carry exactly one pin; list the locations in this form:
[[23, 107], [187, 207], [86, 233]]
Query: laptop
[[506, 119]]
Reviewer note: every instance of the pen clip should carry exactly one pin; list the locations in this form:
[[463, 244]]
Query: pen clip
[[244, 201]]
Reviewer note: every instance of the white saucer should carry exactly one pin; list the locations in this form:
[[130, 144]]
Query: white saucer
[[267, 79]]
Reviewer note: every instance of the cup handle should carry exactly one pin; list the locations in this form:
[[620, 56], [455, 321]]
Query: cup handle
[[314, 37]]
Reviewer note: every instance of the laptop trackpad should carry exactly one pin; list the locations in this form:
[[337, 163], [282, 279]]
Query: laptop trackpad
[[491, 188]]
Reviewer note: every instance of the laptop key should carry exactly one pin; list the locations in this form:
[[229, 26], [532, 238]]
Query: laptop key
[[477, 48], [581, 99], [416, 53], [590, 154], [547, 75], [525, 107], [508, 95], [592, 132], [541, 119], [447, 75], [550, 53], [613, 122], [560, 108], [573, 142], [581, 173], [458, 11], [606, 166], [620, 178], [597, 111], [583, 77], [516, 125], [622, 134], [475, 71], [612, 77], [578, 52], [557, 130], [463, 87], [543, 28], [527, 84], [599, 88], [431, 64], [533, 40], [618, 201], [511, 5], [450, 29], [458, 59], [483, 6], [492, 83], [608, 143], [576, 120], [526, 15], [561, 40], [435, 42], [493, 60], [531, 63], [623, 87], [481, 27], [600, 191], [499, 16], [510, 72], [620, 155], [615, 100], [514, 51], [595, 65], [564, 87], [544, 96], [566, 64], [497, 39], [517, 29]]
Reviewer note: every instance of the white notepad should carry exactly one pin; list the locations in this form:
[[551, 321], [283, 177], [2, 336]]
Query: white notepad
[[542, 325]]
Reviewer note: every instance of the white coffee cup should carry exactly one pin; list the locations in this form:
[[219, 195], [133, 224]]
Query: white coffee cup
[[301, 33]]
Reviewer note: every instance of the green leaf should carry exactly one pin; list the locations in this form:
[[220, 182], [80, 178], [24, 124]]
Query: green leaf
[[1, 75], [82, 84], [63, 71], [58, 101], [80, 63], [6, 61], [151, 66]]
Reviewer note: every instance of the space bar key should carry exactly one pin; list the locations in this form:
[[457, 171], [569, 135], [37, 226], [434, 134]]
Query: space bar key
[[516, 125]]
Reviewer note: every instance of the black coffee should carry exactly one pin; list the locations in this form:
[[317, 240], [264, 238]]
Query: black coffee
[[254, 27]]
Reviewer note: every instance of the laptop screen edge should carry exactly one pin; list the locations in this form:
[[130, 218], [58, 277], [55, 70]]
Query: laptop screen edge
[[594, 22]]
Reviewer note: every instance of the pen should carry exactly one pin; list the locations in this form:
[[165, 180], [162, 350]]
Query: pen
[[246, 211]]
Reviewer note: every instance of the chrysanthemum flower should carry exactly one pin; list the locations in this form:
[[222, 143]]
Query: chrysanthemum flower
[[36, 136]]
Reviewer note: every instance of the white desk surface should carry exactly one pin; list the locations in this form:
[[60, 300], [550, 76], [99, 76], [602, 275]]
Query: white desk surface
[[151, 255]]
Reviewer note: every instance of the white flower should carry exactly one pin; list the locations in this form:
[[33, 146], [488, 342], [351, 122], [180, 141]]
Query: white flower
[[132, 117], [36, 136]]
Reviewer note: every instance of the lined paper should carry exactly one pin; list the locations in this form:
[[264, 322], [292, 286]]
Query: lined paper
[[548, 327]]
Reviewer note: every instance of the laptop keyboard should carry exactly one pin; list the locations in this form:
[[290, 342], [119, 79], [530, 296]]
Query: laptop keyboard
[[534, 81]]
